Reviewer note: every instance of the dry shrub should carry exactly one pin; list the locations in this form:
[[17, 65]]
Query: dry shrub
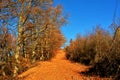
[[98, 50], [81, 50]]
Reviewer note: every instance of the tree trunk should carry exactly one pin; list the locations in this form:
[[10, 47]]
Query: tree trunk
[[19, 45]]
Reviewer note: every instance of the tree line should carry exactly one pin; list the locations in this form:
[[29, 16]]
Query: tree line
[[29, 32], [99, 49]]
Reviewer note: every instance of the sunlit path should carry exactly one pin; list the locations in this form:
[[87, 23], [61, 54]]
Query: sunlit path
[[56, 69]]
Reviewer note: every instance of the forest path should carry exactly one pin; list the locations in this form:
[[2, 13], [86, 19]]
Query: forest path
[[57, 68]]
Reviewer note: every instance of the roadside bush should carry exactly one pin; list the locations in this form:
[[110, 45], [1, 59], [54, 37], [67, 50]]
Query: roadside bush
[[100, 50], [81, 50]]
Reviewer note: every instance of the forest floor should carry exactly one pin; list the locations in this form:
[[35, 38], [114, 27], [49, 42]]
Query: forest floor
[[58, 68]]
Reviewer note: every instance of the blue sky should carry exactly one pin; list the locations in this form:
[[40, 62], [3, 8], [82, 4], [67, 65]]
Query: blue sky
[[86, 14]]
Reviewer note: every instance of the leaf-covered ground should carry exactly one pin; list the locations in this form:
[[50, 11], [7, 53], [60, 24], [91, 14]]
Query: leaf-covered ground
[[57, 68]]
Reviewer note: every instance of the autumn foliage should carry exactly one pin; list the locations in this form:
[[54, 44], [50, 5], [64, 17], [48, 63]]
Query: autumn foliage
[[100, 50], [29, 32]]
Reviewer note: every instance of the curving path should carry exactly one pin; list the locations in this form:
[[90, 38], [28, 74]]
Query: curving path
[[56, 69]]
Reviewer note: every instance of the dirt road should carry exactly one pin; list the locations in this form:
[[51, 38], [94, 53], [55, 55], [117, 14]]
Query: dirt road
[[56, 69]]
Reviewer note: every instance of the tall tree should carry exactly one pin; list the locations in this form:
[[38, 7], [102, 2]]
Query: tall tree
[[33, 20]]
